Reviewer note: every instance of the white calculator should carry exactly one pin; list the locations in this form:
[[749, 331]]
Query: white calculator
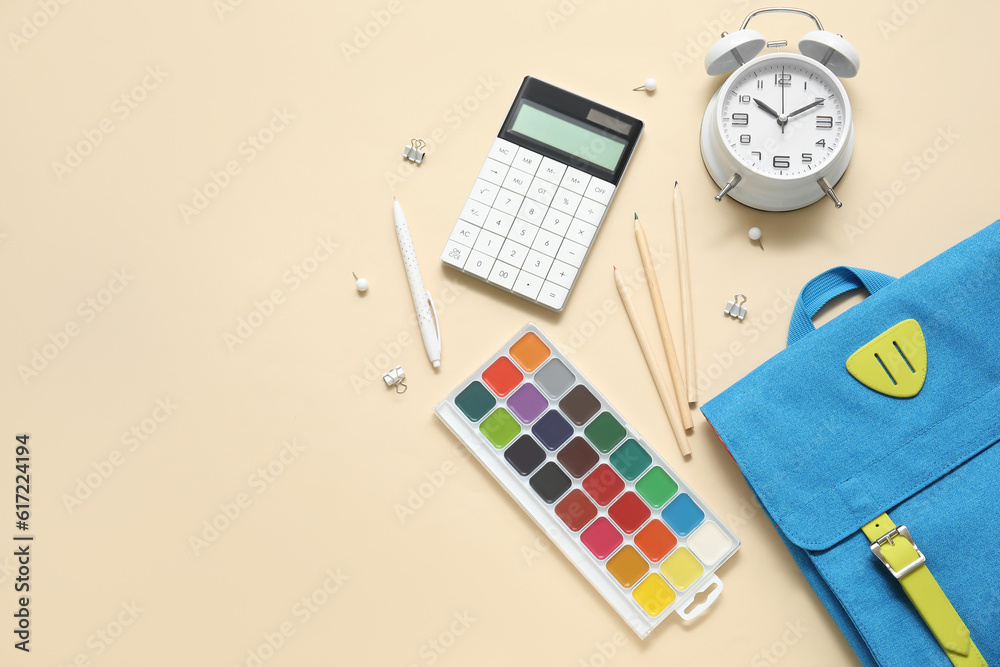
[[542, 193]]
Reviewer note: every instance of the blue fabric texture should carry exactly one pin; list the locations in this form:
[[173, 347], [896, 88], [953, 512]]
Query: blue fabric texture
[[825, 454]]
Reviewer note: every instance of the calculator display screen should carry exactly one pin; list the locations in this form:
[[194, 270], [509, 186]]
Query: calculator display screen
[[567, 135]]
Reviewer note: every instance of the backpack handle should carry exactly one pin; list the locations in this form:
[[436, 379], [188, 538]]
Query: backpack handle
[[826, 286]]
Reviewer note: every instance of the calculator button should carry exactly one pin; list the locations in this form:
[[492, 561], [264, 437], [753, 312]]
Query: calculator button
[[546, 243], [532, 211], [590, 211], [563, 274], [541, 191], [455, 254], [488, 243], [517, 180], [575, 180], [484, 191], [479, 264], [557, 222], [527, 160], [503, 151], [600, 191], [551, 170], [523, 232], [513, 253], [503, 275], [537, 263], [498, 222], [493, 171], [552, 295], [566, 201], [581, 232], [570, 252], [508, 202], [465, 233], [474, 212], [527, 285]]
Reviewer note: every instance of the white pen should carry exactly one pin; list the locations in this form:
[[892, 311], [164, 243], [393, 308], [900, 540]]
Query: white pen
[[430, 330]]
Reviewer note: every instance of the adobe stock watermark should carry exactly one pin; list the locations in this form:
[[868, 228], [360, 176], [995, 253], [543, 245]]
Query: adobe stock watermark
[[696, 45], [899, 16], [375, 365], [418, 495], [453, 117], [247, 151], [225, 7], [771, 655], [87, 311], [292, 279], [751, 329], [102, 639], [532, 552], [230, 511], [365, 34], [561, 12], [121, 108], [135, 437], [436, 647], [605, 652], [33, 23], [913, 170], [596, 318], [302, 611]]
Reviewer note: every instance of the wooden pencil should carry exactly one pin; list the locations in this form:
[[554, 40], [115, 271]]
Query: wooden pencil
[[676, 374], [662, 388], [687, 318]]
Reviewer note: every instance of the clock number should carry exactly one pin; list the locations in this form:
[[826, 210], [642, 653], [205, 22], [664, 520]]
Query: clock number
[[744, 99], [781, 162], [782, 79], [824, 122], [807, 157], [821, 143], [760, 83], [744, 138], [741, 119], [759, 155]]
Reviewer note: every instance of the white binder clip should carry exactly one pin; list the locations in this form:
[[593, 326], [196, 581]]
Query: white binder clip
[[735, 308], [394, 378], [414, 151]]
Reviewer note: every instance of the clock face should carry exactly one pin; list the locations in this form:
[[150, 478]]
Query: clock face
[[784, 117]]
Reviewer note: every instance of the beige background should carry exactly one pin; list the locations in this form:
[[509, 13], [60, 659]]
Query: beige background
[[466, 578]]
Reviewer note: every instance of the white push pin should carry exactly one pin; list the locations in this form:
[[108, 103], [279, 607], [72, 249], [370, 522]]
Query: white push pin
[[361, 284], [649, 86], [735, 308], [755, 235]]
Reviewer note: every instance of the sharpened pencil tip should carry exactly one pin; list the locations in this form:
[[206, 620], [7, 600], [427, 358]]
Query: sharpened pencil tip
[[615, 268], [636, 215], [675, 184]]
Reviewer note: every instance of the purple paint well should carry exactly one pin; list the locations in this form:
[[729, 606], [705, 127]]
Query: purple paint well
[[527, 403]]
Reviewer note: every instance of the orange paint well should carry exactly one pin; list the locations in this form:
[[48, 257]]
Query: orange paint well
[[530, 352]]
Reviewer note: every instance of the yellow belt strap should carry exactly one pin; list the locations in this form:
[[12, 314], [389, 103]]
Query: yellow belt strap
[[895, 548]]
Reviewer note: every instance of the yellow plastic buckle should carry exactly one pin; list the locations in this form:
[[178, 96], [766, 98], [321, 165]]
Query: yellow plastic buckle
[[877, 550]]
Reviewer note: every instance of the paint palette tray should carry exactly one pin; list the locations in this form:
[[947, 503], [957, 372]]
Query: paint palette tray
[[604, 496]]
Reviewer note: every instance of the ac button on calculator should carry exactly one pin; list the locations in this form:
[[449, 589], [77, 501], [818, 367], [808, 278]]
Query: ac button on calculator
[[542, 193]]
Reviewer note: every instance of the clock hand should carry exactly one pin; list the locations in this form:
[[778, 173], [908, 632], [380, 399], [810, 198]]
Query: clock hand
[[782, 125], [808, 106], [766, 108]]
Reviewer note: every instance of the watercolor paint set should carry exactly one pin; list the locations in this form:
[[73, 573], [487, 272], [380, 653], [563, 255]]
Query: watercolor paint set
[[604, 496]]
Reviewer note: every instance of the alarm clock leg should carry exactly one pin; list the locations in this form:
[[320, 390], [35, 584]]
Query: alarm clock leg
[[730, 184], [825, 185]]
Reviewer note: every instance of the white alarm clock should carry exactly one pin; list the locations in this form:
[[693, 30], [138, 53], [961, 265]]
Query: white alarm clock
[[778, 134]]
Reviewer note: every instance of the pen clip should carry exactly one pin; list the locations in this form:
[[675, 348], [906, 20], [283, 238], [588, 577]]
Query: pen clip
[[437, 325]]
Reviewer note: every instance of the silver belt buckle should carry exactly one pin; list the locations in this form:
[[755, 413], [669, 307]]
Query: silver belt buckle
[[876, 548]]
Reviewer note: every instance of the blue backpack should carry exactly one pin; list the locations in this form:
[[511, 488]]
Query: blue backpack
[[870, 442]]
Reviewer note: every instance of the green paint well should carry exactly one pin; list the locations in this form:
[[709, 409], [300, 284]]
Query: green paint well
[[656, 487], [475, 401], [605, 432], [631, 459], [500, 428]]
